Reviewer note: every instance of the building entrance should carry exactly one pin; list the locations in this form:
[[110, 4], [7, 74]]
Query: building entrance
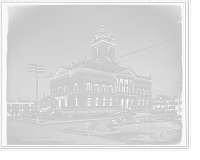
[[59, 103], [127, 101]]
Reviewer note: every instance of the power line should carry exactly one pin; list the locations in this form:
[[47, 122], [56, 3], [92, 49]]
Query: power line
[[123, 30], [25, 86], [149, 33], [158, 44], [151, 21], [82, 42], [22, 88]]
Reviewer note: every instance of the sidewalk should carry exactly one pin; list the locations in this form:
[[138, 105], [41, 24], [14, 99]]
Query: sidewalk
[[84, 119], [73, 120]]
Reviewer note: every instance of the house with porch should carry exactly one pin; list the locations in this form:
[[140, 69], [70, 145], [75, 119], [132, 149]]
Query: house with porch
[[163, 102]]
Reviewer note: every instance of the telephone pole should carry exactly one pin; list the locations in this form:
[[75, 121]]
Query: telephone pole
[[178, 92], [36, 68]]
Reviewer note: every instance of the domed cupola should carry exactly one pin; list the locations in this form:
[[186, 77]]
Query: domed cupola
[[102, 33], [103, 44]]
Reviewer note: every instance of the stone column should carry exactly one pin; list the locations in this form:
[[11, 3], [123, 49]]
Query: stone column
[[120, 86], [124, 84], [116, 85], [124, 104], [129, 101]]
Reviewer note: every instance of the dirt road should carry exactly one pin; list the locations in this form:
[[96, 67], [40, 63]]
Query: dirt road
[[23, 133]]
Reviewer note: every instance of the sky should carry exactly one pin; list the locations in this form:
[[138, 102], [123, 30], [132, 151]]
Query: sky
[[57, 35]]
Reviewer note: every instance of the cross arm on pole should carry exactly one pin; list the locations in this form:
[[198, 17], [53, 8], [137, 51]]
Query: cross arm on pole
[[31, 71]]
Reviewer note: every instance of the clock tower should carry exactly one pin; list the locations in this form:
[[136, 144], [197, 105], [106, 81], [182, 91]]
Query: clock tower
[[103, 44]]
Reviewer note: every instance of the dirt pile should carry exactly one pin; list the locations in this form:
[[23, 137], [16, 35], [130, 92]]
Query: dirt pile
[[172, 135], [91, 127], [96, 127], [130, 120]]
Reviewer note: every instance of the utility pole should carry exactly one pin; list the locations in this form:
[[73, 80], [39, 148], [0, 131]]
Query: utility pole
[[178, 93], [36, 68]]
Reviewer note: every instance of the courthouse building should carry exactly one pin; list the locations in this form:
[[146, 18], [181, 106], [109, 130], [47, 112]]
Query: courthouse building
[[100, 81]]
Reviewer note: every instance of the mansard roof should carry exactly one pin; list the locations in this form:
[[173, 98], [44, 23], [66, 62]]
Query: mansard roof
[[100, 64]]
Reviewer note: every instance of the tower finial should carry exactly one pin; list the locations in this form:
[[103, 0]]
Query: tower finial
[[102, 26]]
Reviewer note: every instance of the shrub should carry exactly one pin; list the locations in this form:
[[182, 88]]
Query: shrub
[[70, 115]]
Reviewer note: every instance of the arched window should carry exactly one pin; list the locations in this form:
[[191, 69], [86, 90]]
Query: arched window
[[104, 102], [75, 87], [103, 88], [96, 102], [111, 88], [110, 102], [65, 88], [76, 102], [88, 102]]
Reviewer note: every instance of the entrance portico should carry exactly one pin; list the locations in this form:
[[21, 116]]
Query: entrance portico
[[125, 94], [62, 101], [125, 101]]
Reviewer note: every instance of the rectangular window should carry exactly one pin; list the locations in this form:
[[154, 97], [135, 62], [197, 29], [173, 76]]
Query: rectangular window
[[96, 87], [59, 89], [110, 88], [103, 88], [88, 86], [75, 88], [65, 88]]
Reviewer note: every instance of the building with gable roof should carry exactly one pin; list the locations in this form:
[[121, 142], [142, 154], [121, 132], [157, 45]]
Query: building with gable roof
[[163, 102], [16, 107], [100, 81]]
